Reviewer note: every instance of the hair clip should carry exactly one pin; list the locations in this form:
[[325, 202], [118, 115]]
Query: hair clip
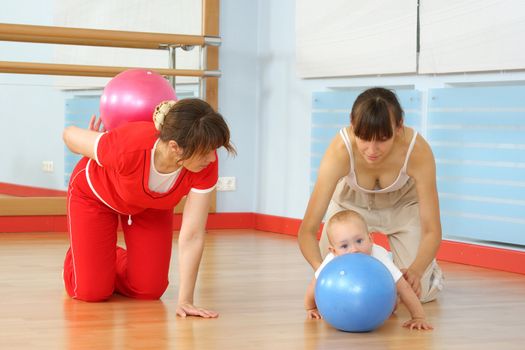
[[161, 111]]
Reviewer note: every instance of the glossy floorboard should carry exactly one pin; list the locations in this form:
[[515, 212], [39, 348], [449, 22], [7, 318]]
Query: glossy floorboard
[[256, 281]]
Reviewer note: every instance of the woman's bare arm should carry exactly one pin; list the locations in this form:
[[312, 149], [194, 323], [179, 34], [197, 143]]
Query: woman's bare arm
[[334, 165], [422, 168]]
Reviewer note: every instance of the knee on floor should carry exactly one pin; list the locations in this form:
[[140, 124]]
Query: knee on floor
[[150, 292], [92, 294]]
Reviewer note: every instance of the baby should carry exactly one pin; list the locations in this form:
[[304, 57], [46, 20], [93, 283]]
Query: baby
[[348, 233]]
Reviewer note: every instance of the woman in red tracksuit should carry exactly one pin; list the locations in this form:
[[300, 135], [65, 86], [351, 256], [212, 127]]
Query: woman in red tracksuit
[[138, 172]]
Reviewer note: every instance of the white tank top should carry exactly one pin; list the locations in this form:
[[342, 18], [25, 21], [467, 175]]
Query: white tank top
[[158, 182], [400, 181]]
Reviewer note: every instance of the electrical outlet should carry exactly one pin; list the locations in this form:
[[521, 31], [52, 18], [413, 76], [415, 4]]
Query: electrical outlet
[[48, 166], [226, 183]]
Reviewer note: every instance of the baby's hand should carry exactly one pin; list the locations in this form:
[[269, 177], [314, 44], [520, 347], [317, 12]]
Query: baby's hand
[[313, 314], [418, 323]]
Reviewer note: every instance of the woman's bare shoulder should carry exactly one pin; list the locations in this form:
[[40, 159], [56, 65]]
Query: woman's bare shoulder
[[336, 159], [421, 157], [337, 147]]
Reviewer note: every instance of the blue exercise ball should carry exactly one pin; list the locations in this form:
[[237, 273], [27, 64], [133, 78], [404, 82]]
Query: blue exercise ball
[[355, 293]]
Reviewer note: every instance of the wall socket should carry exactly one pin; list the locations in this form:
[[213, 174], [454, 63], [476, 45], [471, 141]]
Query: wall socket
[[48, 166], [226, 183]]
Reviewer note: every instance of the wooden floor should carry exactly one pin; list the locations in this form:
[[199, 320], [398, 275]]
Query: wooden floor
[[256, 281]]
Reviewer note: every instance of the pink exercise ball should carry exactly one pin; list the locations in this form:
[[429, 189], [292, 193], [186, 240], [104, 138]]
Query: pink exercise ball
[[132, 96]]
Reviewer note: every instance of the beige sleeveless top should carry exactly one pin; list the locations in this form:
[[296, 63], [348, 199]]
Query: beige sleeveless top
[[400, 181]]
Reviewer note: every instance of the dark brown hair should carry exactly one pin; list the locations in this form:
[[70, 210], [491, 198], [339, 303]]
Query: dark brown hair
[[196, 128], [374, 112]]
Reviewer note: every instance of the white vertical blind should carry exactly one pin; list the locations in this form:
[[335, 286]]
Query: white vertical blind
[[355, 37], [471, 35]]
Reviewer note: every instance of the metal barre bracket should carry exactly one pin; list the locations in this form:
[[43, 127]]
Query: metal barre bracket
[[212, 73]]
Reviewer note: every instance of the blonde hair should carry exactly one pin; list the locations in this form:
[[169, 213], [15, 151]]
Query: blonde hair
[[344, 216]]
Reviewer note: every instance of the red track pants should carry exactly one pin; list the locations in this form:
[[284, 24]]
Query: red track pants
[[94, 267]]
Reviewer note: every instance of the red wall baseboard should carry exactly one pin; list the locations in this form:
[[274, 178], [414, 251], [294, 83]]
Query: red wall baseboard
[[483, 256], [458, 252], [28, 191], [47, 223], [277, 224]]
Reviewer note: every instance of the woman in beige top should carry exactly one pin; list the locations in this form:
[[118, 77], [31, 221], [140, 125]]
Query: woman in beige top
[[386, 172]]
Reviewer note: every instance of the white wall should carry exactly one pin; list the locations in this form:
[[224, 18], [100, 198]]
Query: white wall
[[266, 105], [32, 110], [284, 107], [283, 123], [238, 91]]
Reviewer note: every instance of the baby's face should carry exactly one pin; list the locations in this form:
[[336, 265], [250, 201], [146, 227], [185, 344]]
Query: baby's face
[[350, 237]]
